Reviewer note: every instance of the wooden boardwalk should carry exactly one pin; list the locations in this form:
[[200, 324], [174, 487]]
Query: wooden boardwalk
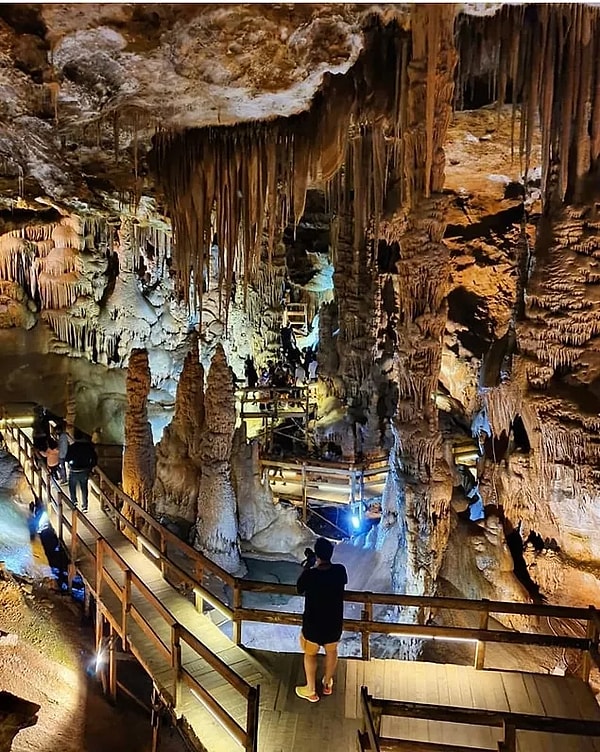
[[153, 618]]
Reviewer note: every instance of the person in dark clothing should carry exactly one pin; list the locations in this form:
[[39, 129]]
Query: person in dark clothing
[[82, 459], [250, 372], [322, 584]]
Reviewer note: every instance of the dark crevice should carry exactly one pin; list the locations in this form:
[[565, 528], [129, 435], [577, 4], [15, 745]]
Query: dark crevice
[[493, 223]]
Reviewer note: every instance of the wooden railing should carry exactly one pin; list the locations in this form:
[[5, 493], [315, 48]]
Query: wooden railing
[[350, 480], [380, 612], [369, 740], [275, 402], [296, 316], [97, 563]]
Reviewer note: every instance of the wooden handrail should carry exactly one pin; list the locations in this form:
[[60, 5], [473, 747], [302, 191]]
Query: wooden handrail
[[478, 716], [247, 738], [215, 662], [456, 604]]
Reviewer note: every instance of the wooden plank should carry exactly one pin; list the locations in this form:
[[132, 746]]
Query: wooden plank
[[352, 690]]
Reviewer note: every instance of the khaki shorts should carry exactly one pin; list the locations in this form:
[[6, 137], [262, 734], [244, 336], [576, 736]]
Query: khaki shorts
[[311, 648]]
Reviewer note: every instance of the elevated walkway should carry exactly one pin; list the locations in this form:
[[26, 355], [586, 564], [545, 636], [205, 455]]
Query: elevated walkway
[[143, 580]]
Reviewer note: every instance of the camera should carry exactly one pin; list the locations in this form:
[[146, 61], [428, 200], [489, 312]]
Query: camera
[[311, 558]]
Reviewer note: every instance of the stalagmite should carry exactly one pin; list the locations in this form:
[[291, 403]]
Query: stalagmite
[[217, 525], [178, 466], [138, 451]]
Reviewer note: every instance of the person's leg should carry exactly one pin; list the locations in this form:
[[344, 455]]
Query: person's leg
[[83, 484], [308, 691], [330, 665], [73, 487]]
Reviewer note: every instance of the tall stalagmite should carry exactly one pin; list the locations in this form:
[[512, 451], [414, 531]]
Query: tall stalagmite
[[138, 452], [178, 468], [217, 524]]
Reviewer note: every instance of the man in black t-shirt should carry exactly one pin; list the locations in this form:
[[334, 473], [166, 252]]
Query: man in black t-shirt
[[82, 459], [323, 619]]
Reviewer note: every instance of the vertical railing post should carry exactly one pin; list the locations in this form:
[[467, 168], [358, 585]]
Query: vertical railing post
[[175, 660], [163, 553], [73, 568], [367, 615], [198, 599], [592, 636], [125, 606], [59, 517], [252, 720], [99, 567], [237, 622], [509, 743], [112, 666], [484, 618], [304, 493]]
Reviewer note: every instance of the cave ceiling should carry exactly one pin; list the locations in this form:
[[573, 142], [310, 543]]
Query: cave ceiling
[[86, 87]]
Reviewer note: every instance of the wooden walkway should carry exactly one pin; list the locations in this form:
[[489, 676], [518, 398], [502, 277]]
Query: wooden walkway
[[293, 725], [161, 626]]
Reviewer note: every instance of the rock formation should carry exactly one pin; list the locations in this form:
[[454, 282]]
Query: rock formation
[[138, 451], [178, 466], [217, 524]]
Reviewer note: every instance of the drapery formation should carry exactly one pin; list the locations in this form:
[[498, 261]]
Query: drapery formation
[[229, 184]]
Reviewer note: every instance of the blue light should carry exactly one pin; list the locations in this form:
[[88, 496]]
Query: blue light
[[43, 522], [355, 520]]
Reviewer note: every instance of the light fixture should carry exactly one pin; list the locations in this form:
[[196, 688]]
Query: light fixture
[[355, 520]]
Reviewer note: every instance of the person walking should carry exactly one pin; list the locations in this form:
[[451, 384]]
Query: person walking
[[82, 459], [63, 448], [322, 584]]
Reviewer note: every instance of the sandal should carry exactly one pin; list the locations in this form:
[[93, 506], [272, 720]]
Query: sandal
[[306, 694]]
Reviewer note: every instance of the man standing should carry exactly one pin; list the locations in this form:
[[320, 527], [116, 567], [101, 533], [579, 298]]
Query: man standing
[[323, 619], [82, 458]]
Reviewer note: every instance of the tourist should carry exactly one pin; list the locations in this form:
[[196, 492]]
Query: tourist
[[322, 584], [82, 458], [250, 372], [51, 454], [63, 447]]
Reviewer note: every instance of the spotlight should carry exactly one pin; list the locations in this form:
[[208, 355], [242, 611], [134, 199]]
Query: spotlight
[[99, 661], [43, 522]]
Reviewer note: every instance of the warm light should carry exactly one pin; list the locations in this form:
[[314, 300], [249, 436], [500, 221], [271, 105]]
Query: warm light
[[214, 602], [149, 547], [433, 637], [217, 719]]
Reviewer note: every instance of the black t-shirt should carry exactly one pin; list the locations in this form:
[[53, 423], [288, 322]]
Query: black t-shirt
[[82, 456], [323, 588]]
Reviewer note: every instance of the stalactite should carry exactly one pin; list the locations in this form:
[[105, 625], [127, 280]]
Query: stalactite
[[551, 56], [237, 182]]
